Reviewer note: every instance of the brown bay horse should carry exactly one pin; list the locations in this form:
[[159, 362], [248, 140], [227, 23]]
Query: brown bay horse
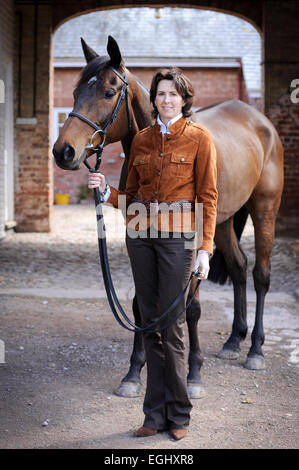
[[250, 181]]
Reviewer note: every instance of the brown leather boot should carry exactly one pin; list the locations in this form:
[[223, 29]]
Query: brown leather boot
[[145, 431], [178, 434]]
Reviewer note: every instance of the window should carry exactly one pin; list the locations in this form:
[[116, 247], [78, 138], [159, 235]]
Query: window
[[59, 117]]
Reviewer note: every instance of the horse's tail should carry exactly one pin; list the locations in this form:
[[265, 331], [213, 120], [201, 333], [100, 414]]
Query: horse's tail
[[218, 270]]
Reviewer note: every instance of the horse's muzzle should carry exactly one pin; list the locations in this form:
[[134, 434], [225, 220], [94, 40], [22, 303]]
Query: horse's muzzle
[[65, 157]]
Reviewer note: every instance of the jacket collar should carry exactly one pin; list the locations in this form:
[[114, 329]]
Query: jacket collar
[[165, 129], [175, 129]]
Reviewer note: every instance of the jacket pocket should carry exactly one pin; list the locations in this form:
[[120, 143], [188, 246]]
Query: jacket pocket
[[141, 163], [181, 166]]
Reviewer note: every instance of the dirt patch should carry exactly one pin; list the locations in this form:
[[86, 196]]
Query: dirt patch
[[65, 354]]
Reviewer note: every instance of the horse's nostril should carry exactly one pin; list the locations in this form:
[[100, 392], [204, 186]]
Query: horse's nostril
[[68, 153]]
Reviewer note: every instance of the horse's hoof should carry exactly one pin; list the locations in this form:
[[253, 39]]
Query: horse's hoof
[[195, 391], [255, 362], [226, 353], [129, 390]]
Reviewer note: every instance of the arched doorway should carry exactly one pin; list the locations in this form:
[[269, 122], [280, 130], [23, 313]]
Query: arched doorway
[[35, 24], [220, 53]]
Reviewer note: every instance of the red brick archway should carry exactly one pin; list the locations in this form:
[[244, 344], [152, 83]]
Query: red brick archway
[[35, 23], [215, 77]]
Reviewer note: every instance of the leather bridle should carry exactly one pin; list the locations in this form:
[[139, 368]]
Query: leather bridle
[[102, 131]]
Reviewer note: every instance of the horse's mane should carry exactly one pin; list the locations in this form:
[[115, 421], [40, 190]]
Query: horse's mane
[[141, 84]]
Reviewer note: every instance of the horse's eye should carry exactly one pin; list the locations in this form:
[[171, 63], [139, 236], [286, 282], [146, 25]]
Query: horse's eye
[[109, 94]]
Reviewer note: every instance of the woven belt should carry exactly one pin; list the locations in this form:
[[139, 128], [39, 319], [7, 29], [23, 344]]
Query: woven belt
[[182, 205]]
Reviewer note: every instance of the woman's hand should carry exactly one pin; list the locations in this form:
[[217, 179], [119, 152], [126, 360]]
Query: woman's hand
[[97, 180], [202, 264]]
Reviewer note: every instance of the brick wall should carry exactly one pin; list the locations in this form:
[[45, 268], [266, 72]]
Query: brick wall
[[285, 116], [33, 196], [210, 84], [281, 67], [65, 80]]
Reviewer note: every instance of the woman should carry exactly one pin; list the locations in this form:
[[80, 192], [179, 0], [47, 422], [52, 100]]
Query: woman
[[172, 162]]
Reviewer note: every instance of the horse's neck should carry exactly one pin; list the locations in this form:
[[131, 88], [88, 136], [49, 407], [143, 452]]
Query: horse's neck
[[141, 118], [140, 104], [141, 111]]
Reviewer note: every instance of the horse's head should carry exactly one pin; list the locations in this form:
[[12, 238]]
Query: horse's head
[[95, 98]]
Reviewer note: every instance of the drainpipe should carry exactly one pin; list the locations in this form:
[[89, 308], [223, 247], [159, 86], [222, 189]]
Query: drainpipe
[[19, 86], [35, 56], [240, 94]]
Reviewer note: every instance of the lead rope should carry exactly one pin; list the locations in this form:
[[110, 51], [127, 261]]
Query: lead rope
[[109, 287]]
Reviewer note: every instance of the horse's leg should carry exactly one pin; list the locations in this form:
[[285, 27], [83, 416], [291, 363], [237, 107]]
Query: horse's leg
[[131, 384], [263, 218], [236, 263], [195, 359]]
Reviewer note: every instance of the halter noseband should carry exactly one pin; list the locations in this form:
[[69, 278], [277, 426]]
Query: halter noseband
[[103, 130]]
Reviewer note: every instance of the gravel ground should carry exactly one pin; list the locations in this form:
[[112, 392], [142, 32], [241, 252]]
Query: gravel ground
[[65, 354]]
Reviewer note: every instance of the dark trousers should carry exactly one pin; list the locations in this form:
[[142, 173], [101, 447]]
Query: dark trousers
[[161, 269]]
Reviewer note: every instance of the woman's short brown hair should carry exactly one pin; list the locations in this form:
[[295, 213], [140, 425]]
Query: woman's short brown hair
[[182, 84]]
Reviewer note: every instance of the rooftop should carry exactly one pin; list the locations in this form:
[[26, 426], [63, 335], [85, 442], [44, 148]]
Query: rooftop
[[179, 36]]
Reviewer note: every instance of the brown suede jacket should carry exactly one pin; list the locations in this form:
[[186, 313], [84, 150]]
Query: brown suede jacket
[[179, 166]]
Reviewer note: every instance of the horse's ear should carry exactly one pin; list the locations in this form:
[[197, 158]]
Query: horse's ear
[[89, 53], [114, 52]]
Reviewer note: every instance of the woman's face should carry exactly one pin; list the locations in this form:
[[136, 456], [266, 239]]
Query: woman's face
[[168, 101]]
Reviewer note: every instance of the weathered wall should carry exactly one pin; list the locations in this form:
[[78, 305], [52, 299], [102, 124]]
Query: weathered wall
[[247, 9], [210, 84], [281, 67], [278, 23], [6, 116], [33, 198]]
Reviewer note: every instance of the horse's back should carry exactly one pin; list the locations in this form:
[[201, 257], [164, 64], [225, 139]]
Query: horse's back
[[244, 139]]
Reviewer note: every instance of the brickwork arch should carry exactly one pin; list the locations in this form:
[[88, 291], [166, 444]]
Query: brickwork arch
[[250, 11], [35, 24], [223, 62]]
